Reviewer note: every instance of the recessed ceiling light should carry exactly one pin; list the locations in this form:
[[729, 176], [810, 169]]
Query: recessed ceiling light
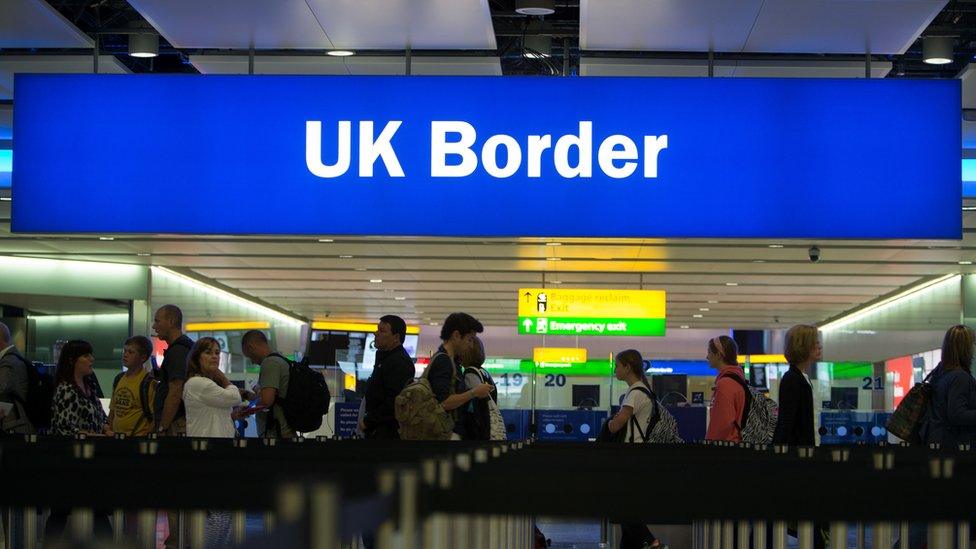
[[361, 269], [704, 309], [758, 260], [340, 53], [106, 238], [326, 240], [375, 280], [731, 283], [535, 7], [555, 282], [775, 245], [964, 208], [697, 316], [554, 259], [965, 262], [345, 257], [713, 302], [554, 243], [433, 324], [400, 298], [684, 326], [8, 199], [143, 255]]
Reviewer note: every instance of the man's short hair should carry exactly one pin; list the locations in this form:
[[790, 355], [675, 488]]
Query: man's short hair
[[5, 334], [142, 344], [173, 313], [253, 336], [463, 323], [397, 326]]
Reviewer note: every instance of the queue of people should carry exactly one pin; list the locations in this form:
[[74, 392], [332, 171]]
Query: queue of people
[[454, 399]]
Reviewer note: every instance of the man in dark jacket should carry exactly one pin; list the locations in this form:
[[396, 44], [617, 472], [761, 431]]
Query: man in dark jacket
[[393, 370]]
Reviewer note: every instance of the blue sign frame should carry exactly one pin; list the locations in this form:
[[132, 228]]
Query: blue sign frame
[[487, 156]]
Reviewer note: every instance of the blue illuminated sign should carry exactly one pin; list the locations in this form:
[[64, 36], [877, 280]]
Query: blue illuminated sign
[[6, 166], [487, 156]]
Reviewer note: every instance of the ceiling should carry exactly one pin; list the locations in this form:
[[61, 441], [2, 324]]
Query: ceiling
[[740, 283]]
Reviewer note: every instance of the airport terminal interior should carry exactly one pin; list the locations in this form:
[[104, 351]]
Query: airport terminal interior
[[690, 179]]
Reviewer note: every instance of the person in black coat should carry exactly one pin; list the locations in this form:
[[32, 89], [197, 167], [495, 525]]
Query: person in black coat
[[795, 423], [393, 370], [951, 419]]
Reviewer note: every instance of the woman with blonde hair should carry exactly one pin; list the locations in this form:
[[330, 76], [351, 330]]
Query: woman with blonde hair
[[795, 423], [952, 414]]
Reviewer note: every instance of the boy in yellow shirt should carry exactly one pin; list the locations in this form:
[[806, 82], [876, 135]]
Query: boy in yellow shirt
[[133, 391]]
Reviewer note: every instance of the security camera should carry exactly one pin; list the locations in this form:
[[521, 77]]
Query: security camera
[[814, 254]]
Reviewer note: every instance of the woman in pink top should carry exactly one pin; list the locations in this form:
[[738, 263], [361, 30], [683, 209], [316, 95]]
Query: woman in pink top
[[729, 394]]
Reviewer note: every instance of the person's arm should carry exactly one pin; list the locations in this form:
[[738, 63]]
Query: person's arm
[[215, 396], [393, 380], [460, 399], [172, 404], [789, 404], [6, 376], [620, 420], [471, 380], [269, 379], [65, 420], [960, 411], [722, 417]]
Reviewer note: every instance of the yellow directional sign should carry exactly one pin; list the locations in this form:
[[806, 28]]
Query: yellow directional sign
[[559, 354], [591, 312]]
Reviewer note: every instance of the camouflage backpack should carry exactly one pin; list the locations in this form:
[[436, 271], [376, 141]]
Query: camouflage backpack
[[420, 415]]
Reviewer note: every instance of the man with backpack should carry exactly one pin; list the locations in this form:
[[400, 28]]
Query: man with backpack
[[392, 372], [14, 384], [273, 383]]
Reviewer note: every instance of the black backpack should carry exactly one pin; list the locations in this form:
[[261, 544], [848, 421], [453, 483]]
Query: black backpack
[[308, 396], [40, 396], [477, 421]]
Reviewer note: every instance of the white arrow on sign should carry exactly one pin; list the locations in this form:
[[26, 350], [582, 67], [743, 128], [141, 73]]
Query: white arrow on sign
[[528, 324]]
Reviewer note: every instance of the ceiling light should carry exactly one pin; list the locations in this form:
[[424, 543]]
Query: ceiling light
[[713, 302], [400, 298], [143, 45], [555, 282], [345, 257], [433, 324], [775, 245], [937, 50], [326, 240], [704, 309], [106, 238], [340, 53], [375, 280], [758, 260], [361, 269], [535, 7], [697, 316], [554, 243], [731, 283], [684, 326], [537, 47], [554, 259], [965, 262], [964, 208], [5, 199], [143, 255]]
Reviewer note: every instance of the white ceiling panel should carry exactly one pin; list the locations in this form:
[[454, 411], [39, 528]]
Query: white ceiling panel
[[322, 24], [35, 24], [11, 64], [235, 24], [396, 24], [594, 66], [841, 26], [774, 26], [358, 65], [666, 25]]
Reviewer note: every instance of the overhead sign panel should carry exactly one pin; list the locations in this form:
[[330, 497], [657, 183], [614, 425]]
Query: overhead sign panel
[[549, 311], [598, 157], [567, 355]]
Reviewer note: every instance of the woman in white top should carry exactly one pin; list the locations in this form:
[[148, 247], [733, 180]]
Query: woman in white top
[[210, 399], [629, 368]]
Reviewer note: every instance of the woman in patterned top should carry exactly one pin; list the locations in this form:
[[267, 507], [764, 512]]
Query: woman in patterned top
[[76, 408]]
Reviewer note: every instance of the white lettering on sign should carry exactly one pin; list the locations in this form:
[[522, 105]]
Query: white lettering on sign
[[453, 154]]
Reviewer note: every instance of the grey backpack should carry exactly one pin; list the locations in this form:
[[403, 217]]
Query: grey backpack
[[661, 427]]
